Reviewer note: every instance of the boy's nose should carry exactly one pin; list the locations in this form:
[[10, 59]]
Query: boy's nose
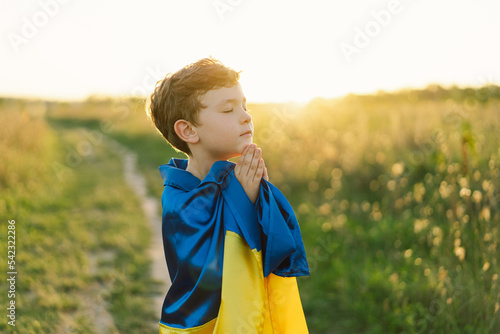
[[246, 117]]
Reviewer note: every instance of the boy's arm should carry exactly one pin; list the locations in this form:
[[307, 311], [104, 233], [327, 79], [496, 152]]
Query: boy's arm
[[269, 225], [249, 171], [283, 249]]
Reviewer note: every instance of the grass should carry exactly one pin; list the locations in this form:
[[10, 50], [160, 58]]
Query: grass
[[81, 237], [396, 193], [398, 244]]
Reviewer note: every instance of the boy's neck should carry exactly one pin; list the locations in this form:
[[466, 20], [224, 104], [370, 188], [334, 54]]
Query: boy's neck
[[199, 167]]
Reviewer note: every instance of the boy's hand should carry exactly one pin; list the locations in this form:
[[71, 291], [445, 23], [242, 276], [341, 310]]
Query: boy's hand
[[250, 169]]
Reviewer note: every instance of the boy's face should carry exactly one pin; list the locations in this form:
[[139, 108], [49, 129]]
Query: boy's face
[[225, 127]]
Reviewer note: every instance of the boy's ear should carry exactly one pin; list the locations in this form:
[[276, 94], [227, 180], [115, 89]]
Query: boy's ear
[[186, 131]]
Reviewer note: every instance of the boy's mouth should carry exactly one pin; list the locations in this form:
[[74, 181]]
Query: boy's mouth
[[248, 133]]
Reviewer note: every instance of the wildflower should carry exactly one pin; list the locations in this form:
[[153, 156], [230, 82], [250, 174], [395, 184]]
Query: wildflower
[[460, 253], [485, 214], [336, 173], [326, 227], [420, 224], [460, 211], [438, 236], [394, 278], [408, 253], [376, 215], [339, 221], [344, 205], [418, 191], [325, 209], [442, 273], [398, 169], [329, 193], [465, 192], [464, 183], [445, 190], [477, 196], [303, 208]]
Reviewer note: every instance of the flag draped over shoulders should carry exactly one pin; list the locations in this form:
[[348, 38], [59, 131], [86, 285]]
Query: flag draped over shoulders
[[232, 263]]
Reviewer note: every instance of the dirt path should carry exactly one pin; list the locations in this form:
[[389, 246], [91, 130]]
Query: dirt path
[[150, 206], [94, 306]]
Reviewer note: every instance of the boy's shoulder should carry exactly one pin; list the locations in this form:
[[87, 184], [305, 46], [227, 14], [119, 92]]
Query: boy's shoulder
[[174, 174]]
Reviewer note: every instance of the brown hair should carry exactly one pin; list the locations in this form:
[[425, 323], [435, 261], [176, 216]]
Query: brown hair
[[177, 96]]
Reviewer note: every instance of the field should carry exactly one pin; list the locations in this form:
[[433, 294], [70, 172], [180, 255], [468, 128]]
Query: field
[[397, 196]]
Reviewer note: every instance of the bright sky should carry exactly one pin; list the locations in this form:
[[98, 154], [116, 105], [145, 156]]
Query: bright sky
[[288, 50]]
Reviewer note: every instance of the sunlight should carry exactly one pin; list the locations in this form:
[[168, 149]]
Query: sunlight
[[287, 51]]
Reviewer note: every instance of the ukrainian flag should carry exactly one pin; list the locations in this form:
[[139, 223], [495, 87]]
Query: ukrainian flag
[[233, 264]]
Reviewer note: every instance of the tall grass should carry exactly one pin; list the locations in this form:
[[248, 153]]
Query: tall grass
[[81, 237], [396, 193]]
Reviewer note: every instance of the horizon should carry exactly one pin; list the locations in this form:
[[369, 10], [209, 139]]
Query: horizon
[[102, 97]]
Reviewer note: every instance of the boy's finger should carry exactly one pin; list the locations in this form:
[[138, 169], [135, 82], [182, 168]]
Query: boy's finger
[[247, 160], [245, 150], [256, 159], [260, 171], [239, 163], [264, 170]]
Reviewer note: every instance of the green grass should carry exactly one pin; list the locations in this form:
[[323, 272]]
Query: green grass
[[81, 237], [397, 197]]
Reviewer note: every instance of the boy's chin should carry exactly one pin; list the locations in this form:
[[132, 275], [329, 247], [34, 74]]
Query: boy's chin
[[239, 151], [244, 145]]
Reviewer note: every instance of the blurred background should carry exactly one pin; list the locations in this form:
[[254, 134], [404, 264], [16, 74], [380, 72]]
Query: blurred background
[[377, 119]]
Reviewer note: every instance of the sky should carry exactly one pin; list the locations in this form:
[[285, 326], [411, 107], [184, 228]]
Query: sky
[[287, 50]]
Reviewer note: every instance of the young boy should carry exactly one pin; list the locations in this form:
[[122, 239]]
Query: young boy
[[232, 242]]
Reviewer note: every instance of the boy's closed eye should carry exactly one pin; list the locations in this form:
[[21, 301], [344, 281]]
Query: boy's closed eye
[[230, 110]]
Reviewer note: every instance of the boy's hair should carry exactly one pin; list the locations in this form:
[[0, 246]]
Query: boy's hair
[[177, 96]]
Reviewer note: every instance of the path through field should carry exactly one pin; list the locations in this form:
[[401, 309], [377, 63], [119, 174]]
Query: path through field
[[150, 207]]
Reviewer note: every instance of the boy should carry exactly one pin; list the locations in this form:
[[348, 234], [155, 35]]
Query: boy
[[232, 242]]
